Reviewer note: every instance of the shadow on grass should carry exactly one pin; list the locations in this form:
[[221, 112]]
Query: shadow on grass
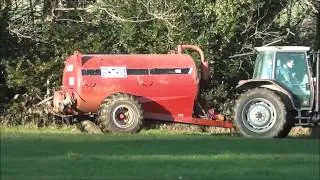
[[36, 145], [79, 156]]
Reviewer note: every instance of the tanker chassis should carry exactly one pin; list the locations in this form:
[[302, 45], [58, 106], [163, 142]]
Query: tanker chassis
[[121, 91]]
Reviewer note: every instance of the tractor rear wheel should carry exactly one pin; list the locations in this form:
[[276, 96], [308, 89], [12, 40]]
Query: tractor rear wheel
[[120, 113], [260, 113]]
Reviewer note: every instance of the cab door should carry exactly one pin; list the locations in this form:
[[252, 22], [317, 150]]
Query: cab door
[[293, 73]]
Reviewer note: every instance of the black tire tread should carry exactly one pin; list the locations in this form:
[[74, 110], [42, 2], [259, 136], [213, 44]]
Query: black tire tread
[[283, 127], [104, 121]]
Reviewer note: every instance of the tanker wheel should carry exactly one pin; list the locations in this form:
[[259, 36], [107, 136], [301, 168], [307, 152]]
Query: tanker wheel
[[120, 113], [260, 113]]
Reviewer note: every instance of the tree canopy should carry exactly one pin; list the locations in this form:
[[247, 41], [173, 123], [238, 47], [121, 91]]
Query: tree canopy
[[37, 35]]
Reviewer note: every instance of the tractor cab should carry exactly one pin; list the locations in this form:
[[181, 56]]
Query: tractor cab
[[287, 66]]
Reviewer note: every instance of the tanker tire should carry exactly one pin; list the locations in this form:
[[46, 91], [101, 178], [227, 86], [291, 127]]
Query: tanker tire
[[117, 102], [260, 113]]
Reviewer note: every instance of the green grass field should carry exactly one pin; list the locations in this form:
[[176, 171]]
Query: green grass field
[[51, 155]]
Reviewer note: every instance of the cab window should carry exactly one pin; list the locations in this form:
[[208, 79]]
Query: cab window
[[264, 66]]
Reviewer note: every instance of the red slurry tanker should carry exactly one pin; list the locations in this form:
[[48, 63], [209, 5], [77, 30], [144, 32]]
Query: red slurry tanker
[[123, 90]]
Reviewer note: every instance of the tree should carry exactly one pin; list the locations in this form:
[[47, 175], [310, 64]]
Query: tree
[[316, 9], [37, 35]]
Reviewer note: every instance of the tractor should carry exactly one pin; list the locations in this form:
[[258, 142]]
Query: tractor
[[283, 92]]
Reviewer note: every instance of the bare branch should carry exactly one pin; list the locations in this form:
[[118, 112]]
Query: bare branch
[[311, 5], [23, 36], [77, 21], [27, 22]]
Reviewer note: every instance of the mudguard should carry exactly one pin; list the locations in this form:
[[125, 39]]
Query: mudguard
[[269, 84]]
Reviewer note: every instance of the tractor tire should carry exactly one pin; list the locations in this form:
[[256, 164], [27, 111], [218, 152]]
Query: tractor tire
[[288, 125], [120, 113], [260, 113]]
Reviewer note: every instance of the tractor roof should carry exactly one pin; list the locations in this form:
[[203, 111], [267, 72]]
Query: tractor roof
[[283, 48]]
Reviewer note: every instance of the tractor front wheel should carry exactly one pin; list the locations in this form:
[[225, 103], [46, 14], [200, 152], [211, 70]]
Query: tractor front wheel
[[120, 113], [261, 113]]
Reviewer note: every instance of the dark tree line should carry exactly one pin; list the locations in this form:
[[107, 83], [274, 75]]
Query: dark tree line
[[37, 35]]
